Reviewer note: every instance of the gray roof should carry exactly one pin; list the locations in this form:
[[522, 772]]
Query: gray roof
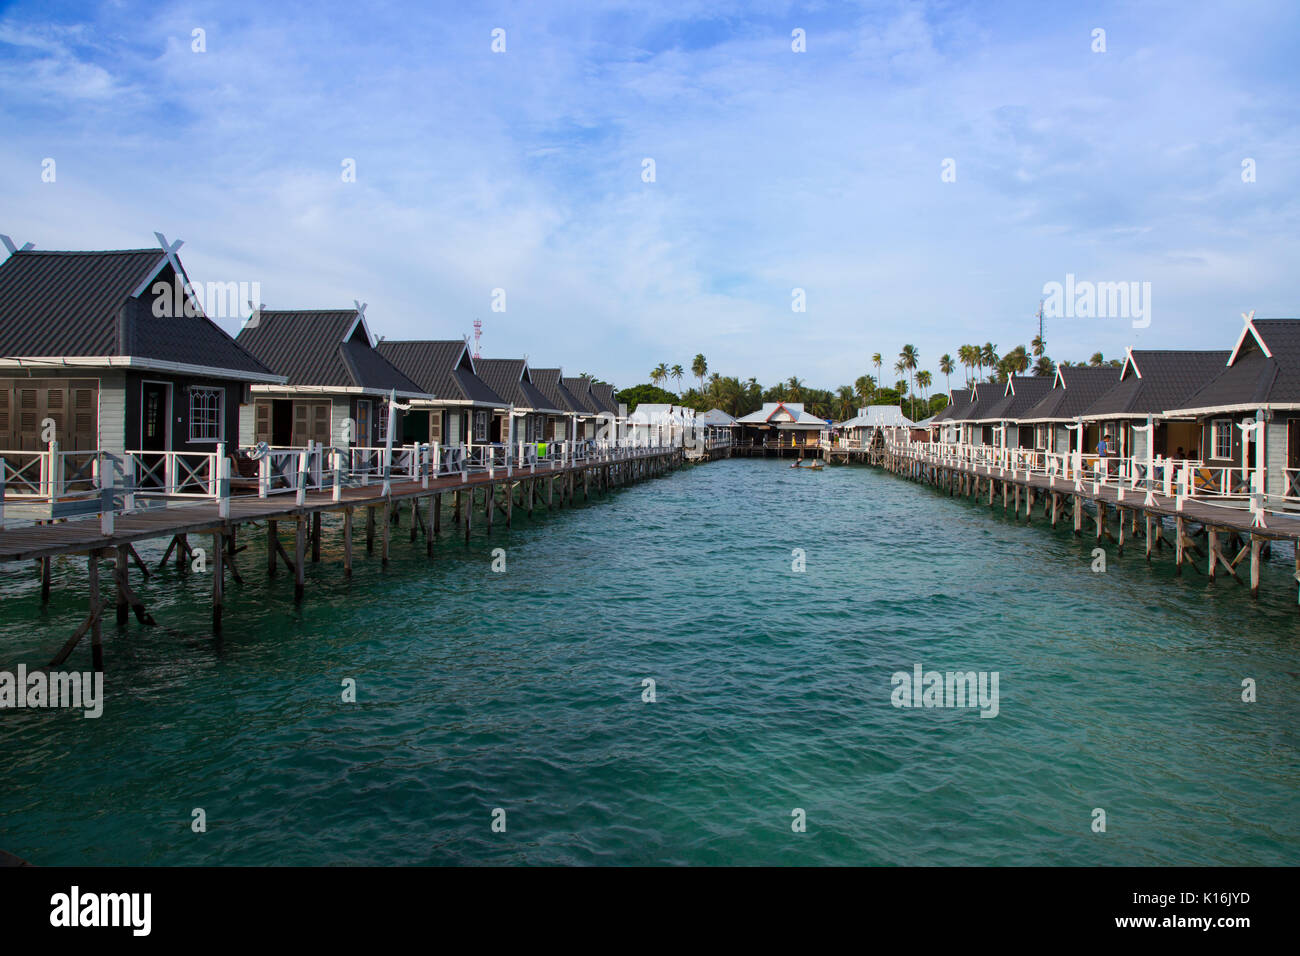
[[1074, 390], [1023, 392], [958, 400], [715, 417], [322, 349], [1153, 380], [603, 392], [1255, 379], [510, 379], [548, 383], [580, 389], [81, 304], [443, 369], [984, 395]]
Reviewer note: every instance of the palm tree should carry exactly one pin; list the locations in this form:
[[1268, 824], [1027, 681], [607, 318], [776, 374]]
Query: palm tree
[[677, 373], [876, 361], [946, 367], [967, 361], [1043, 366], [795, 388], [700, 368], [908, 358], [1038, 345], [866, 388], [988, 356], [844, 396], [1096, 361], [659, 373], [923, 381]]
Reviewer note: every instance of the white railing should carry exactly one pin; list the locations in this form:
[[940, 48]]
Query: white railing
[[50, 472]]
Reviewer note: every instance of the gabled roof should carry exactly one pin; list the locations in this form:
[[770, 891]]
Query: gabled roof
[[580, 389], [322, 349], [716, 418], [512, 380], [90, 305], [1262, 371], [603, 393], [548, 382], [1074, 389], [958, 399], [1022, 393], [443, 369], [1153, 380], [790, 414], [878, 416], [984, 395]]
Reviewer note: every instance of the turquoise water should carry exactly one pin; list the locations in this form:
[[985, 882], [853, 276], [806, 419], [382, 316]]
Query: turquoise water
[[523, 691]]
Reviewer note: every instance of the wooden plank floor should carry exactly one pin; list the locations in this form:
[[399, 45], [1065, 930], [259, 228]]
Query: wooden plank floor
[[81, 536], [1281, 527]]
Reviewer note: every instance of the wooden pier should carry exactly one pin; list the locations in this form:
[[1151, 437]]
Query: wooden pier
[[1220, 534], [488, 496]]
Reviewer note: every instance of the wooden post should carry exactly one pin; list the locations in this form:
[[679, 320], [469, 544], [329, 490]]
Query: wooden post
[[1078, 515], [1056, 507], [437, 514], [489, 504], [347, 542], [315, 538], [428, 525], [415, 505], [1121, 530], [96, 634], [469, 514], [456, 507], [218, 579], [1150, 543], [299, 554], [1256, 543], [1212, 545], [510, 505], [1179, 525], [45, 580], [383, 557], [370, 529], [120, 575]]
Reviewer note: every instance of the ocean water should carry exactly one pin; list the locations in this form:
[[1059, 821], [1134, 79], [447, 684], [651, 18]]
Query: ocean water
[[523, 691]]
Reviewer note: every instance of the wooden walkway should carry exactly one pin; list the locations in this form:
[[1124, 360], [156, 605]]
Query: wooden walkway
[[492, 494], [1222, 534]]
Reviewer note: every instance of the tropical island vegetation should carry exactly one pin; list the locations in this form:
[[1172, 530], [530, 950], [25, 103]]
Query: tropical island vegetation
[[911, 391]]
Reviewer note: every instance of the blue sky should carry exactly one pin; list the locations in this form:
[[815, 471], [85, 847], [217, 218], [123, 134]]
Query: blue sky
[[775, 170]]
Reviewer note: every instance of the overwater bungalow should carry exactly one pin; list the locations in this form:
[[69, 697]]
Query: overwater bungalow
[[459, 400], [654, 424], [944, 424], [580, 388], [1150, 382], [538, 418], [337, 386], [784, 424], [1258, 388], [111, 352], [550, 382], [717, 425], [999, 419], [874, 425], [973, 429], [1074, 389]]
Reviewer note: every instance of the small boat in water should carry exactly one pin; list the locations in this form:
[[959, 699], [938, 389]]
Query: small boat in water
[[808, 464]]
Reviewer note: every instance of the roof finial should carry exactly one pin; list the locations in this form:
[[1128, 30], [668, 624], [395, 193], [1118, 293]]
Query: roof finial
[[9, 244]]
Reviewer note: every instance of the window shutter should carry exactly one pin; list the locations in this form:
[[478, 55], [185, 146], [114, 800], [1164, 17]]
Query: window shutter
[[320, 430], [435, 425], [262, 422]]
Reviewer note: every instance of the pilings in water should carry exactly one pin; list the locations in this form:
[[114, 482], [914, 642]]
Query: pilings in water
[[502, 493], [1118, 517]]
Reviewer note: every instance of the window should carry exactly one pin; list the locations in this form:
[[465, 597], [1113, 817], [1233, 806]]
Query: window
[[205, 414], [480, 426], [381, 424], [1221, 438]]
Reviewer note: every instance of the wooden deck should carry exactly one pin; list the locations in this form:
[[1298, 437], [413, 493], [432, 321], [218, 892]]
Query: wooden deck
[[1139, 517], [494, 494]]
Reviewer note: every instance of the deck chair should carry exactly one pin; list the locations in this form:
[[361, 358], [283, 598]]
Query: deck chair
[[1204, 480]]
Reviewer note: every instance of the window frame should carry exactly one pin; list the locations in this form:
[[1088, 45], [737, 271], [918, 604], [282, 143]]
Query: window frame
[[1221, 427], [208, 418]]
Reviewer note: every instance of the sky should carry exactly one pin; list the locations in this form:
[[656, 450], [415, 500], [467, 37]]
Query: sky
[[921, 171]]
